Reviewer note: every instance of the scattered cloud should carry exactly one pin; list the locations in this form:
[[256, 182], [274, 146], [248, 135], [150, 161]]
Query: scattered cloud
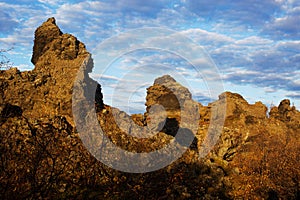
[[144, 8], [7, 23], [293, 95], [203, 97], [246, 13], [285, 26]]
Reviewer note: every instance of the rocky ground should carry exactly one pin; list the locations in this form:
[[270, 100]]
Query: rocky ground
[[256, 155]]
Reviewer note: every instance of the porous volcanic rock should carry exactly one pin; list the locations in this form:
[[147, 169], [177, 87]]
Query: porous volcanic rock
[[46, 91], [285, 112], [167, 101], [168, 93], [44, 35], [252, 147]]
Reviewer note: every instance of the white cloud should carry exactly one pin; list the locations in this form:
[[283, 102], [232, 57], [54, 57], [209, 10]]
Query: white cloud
[[51, 2], [24, 67], [104, 77], [204, 37], [247, 12], [254, 40], [289, 45]]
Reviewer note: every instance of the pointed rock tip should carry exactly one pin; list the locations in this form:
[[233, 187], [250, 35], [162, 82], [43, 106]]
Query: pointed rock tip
[[231, 95], [164, 79], [51, 20], [285, 102]]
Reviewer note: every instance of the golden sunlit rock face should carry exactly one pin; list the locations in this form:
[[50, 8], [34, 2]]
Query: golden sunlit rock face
[[42, 156]]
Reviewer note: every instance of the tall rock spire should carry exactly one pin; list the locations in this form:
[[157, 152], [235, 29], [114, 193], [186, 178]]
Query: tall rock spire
[[44, 35]]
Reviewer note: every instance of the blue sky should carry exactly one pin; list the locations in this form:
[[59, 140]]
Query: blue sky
[[254, 44]]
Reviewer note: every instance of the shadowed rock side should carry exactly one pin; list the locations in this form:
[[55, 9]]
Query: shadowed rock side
[[42, 156]]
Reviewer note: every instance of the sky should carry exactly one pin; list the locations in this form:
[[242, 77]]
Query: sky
[[251, 47]]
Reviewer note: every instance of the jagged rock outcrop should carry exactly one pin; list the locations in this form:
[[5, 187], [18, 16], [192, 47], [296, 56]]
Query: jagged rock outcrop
[[48, 37], [47, 89], [169, 106], [168, 93], [252, 147], [44, 35], [255, 156], [160, 123], [285, 112]]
